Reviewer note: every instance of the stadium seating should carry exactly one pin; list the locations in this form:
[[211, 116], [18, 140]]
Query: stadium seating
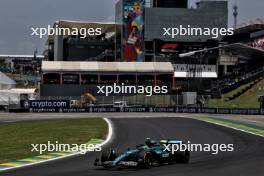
[[234, 81]]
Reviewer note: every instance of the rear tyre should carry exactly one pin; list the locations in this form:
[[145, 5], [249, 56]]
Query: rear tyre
[[186, 157], [183, 158], [145, 160]]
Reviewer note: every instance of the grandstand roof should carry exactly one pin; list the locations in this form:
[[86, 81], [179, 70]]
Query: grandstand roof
[[251, 26], [128, 67], [105, 26], [20, 56], [244, 50], [5, 80], [252, 22]]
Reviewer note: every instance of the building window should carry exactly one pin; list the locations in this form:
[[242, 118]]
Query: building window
[[51, 78], [89, 79], [149, 3], [70, 79]]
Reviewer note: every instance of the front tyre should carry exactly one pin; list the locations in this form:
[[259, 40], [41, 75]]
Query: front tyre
[[108, 155]]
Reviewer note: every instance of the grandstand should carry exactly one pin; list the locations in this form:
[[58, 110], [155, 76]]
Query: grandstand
[[245, 96], [77, 78], [77, 48], [23, 69], [241, 62], [20, 63]]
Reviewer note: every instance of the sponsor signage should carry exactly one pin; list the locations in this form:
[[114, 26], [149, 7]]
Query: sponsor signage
[[133, 30], [47, 104], [64, 106], [258, 43]]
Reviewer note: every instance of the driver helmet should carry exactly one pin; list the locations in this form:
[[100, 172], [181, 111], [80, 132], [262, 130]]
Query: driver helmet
[[149, 142]]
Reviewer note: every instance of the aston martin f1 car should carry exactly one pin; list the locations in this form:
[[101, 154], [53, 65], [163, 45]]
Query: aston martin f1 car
[[143, 156]]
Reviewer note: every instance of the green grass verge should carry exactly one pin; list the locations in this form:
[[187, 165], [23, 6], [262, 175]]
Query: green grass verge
[[16, 138], [233, 124], [247, 100]]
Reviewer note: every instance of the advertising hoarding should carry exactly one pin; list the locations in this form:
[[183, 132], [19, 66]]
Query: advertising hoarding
[[258, 43], [133, 30]]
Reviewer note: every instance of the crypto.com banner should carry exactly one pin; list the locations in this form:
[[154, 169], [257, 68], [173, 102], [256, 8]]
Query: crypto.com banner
[[47, 104]]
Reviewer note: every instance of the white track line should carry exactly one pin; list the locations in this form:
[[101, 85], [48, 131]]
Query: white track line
[[110, 132], [109, 137], [219, 124]]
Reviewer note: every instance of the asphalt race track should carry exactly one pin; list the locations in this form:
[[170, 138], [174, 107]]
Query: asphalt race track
[[246, 160]]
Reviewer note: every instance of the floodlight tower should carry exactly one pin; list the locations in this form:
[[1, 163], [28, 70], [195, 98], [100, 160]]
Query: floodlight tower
[[235, 14]]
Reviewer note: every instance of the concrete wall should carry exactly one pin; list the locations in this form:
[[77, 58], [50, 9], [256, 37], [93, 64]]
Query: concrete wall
[[58, 48]]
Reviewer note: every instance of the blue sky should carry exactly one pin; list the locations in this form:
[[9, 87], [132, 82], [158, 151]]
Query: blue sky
[[18, 16]]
